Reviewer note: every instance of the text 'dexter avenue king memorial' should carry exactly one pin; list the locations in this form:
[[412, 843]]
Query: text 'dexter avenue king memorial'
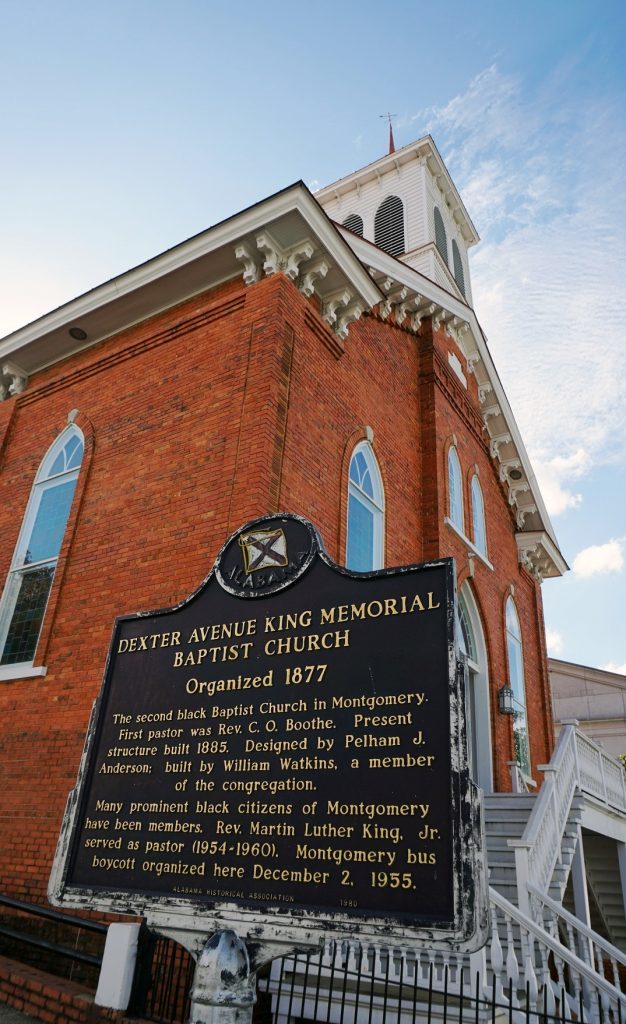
[[288, 741]]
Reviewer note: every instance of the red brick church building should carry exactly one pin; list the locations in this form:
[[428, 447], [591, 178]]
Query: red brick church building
[[317, 354]]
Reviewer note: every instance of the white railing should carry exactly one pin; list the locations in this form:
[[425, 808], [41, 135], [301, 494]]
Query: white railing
[[539, 850], [599, 774], [577, 764], [524, 968], [597, 952], [530, 960]]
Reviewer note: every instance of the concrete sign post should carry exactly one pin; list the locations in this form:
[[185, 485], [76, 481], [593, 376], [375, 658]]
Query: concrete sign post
[[279, 759]]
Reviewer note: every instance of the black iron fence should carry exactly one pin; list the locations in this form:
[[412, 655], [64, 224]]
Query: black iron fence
[[304, 988], [162, 983]]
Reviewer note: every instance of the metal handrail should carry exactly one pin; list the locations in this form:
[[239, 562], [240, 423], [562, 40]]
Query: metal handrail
[[53, 915], [51, 947], [70, 920]]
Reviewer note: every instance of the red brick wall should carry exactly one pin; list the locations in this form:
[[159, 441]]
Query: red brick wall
[[238, 403]]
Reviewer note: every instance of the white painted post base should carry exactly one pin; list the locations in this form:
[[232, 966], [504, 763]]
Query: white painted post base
[[224, 987], [118, 966]]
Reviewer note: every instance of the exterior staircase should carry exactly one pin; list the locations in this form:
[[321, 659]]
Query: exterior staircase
[[603, 878], [539, 958], [506, 819]]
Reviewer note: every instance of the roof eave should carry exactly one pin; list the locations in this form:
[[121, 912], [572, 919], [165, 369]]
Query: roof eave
[[187, 269]]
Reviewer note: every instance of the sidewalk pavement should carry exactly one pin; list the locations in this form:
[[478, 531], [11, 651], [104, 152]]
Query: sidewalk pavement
[[8, 1015]]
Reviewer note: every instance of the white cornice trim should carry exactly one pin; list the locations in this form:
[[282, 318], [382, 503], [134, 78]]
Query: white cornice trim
[[294, 200], [538, 554]]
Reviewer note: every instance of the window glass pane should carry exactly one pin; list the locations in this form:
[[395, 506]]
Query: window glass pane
[[27, 615], [360, 474], [454, 484], [70, 457], [366, 484], [49, 526], [58, 465], [478, 511], [516, 669], [467, 638], [512, 622], [360, 554], [520, 737], [74, 452], [356, 467], [516, 678]]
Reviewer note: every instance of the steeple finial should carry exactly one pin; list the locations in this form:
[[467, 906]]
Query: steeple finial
[[392, 145]]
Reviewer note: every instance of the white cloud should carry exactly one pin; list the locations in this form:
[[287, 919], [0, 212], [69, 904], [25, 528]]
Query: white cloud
[[544, 178], [554, 640], [599, 559], [612, 666], [552, 474]]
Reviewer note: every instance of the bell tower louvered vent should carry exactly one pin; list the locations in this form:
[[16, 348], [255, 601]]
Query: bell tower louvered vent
[[389, 226], [441, 239], [354, 223], [459, 276]]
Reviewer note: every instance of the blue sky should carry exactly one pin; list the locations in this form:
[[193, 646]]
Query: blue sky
[[129, 126]]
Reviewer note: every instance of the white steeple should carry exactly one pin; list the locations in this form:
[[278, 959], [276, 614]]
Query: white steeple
[[407, 203]]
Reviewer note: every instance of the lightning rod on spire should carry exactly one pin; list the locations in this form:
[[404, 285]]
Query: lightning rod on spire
[[387, 117]]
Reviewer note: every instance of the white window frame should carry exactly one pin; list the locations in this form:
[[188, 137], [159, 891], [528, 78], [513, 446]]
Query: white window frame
[[478, 714], [479, 524], [42, 483], [375, 505]]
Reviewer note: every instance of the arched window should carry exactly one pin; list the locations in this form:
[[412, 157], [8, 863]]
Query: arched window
[[354, 223], [364, 544], [389, 226], [477, 721], [457, 263], [455, 488], [478, 517], [441, 239], [30, 577], [515, 660]]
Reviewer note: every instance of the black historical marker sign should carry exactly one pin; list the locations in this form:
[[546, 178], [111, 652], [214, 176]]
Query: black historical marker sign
[[289, 740]]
